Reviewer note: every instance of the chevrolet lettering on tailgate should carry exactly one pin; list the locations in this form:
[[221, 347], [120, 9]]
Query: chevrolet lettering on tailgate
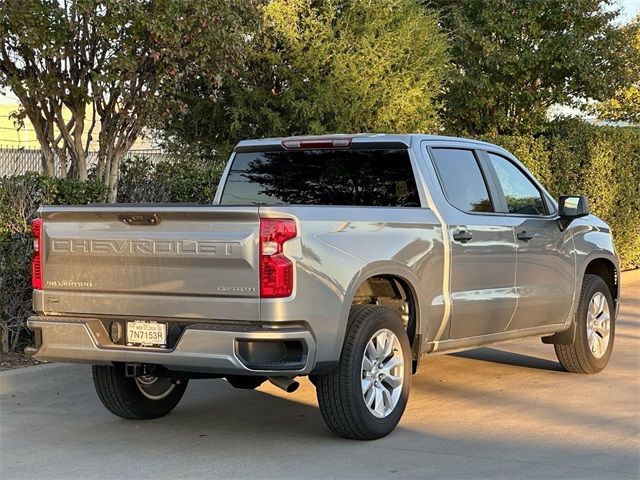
[[144, 247]]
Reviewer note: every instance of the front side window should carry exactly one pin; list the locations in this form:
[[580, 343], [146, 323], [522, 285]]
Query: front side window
[[522, 196], [365, 177], [461, 179]]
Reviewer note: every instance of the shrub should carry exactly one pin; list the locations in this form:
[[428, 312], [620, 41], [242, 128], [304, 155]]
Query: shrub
[[20, 198], [15, 286], [183, 180], [189, 180], [76, 192], [603, 163], [531, 151], [137, 183]]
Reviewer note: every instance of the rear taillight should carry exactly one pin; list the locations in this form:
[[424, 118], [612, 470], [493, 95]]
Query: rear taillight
[[276, 270], [36, 261]]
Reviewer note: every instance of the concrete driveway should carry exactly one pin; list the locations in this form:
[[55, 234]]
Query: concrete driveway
[[499, 412]]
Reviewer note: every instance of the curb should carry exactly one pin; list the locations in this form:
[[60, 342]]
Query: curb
[[30, 368], [630, 277]]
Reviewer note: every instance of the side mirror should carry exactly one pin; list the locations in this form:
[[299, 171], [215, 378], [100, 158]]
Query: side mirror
[[573, 206]]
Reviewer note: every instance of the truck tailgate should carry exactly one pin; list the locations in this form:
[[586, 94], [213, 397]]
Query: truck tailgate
[[151, 261]]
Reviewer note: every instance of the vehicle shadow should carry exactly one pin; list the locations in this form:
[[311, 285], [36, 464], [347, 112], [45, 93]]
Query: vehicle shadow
[[509, 358], [211, 405]]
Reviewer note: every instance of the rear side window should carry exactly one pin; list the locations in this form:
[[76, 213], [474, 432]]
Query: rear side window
[[461, 179], [322, 177]]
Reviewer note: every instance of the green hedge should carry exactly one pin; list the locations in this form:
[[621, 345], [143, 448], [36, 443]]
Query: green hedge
[[572, 157], [569, 158], [181, 180], [20, 197]]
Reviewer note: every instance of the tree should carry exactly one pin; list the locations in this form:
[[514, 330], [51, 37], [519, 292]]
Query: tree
[[624, 105], [514, 59], [319, 67], [118, 61]]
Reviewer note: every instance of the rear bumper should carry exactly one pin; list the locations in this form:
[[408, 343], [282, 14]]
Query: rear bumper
[[201, 348]]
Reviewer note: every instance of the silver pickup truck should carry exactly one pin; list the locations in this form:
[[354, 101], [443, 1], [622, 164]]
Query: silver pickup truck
[[344, 258]]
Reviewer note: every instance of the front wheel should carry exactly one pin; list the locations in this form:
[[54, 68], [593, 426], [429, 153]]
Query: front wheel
[[136, 398], [365, 397], [595, 329]]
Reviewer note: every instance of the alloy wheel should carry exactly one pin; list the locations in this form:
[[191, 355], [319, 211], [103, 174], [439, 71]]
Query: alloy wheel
[[598, 325], [382, 373]]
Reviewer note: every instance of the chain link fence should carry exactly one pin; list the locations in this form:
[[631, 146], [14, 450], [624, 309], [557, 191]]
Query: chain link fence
[[14, 161]]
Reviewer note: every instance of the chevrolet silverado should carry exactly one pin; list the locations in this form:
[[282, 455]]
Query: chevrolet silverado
[[343, 258]]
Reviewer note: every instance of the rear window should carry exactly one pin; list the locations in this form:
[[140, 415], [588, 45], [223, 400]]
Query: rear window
[[462, 180], [322, 177]]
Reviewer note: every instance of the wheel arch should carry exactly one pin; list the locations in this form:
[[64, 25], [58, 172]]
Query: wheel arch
[[371, 280], [606, 267], [608, 271]]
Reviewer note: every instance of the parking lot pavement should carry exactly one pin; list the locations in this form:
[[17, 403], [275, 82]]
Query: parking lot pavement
[[500, 412]]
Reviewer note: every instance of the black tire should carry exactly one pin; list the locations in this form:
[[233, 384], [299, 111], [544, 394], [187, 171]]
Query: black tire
[[578, 357], [339, 391], [123, 396]]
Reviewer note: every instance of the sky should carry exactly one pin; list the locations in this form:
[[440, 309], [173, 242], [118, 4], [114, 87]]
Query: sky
[[630, 8]]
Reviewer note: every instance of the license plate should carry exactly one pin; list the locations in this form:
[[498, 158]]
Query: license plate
[[147, 334]]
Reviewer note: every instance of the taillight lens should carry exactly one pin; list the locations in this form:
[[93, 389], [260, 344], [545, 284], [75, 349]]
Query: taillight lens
[[276, 270], [36, 261]]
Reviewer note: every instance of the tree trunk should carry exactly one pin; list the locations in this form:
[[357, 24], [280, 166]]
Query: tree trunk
[[104, 151], [113, 165], [46, 152], [4, 335], [48, 161], [114, 159], [14, 342], [80, 153], [100, 166], [112, 182], [82, 166]]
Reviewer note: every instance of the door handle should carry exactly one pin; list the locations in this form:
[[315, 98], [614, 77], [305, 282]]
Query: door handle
[[525, 236], [462, 236]]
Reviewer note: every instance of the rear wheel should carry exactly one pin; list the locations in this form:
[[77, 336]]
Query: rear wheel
[[595, 329], [137, 398], [365, 397]]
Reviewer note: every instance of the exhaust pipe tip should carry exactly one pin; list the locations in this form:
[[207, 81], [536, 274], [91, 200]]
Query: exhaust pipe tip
[[287, 384]]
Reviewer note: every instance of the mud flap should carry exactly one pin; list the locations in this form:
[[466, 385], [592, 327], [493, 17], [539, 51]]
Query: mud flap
[[562, 338]]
